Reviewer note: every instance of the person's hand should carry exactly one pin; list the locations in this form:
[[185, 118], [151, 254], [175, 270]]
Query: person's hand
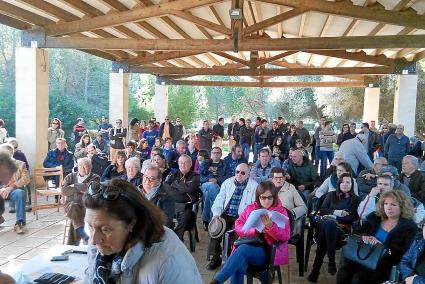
[[370, 240], [409, 280], [301, 187], [374, 192], [268, 223], [368, 176], [6, 191], [287, 176]]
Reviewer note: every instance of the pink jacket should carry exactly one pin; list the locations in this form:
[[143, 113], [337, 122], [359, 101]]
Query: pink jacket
[[272, 235]]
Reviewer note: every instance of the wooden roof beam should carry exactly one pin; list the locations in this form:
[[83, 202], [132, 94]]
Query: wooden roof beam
[[124, 17], [14, 23], [356, 56], [201, 22], [52, 10], [156, 57], [84, 8], [23, 15], [233, 58], [261, 72], [347, 8], [265, 84], [274, 20], [264, 61], [202, 45]]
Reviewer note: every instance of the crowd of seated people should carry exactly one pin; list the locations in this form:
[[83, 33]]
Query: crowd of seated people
[[372, 186]]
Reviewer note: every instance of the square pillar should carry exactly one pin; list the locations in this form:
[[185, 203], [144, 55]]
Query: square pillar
[[118, 98], [371, 105], [405, 102], [32, 103], [160, 101]]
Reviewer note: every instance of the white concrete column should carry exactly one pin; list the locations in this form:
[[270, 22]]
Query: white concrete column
[[160, 101], [371, 105], [118, 97], [405, 102], [32, 103]]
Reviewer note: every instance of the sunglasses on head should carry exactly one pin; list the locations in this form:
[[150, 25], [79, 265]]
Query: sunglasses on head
[[241, 172], [108, 192]]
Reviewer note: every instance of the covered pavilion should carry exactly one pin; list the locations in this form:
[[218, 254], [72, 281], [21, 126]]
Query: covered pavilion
[[356, 40]]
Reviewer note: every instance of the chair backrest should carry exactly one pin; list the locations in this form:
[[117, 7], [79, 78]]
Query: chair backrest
[[228, 240], [296, 224], [50, 172]]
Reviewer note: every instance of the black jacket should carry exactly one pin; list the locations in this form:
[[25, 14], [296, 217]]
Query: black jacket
[[116, 138], [163, 200], [218, 130], [161, 130], [332, 202], [245, 135], [233, 129], [184, 188], [398, 240], [416, 185]]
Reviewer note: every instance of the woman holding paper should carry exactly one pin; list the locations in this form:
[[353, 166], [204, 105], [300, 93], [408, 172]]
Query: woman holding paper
[[245, 254], [339, 211]]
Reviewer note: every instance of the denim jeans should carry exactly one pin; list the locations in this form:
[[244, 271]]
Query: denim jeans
[[210, 191], [18, 196], [324, 157], [237, 264], [245, 150], [257, 148], [317, 156]]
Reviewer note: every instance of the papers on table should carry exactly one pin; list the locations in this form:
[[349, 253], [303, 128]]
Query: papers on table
[[254, 219]]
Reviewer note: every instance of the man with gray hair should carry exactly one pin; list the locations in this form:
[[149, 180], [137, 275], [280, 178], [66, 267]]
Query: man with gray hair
[[74, 186], [185, 190], [367, 178], [412, 177], [174, 155], [13, 189]]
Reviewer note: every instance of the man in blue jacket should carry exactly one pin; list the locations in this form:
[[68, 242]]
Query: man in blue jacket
[[60, 157], [232, 160], [396, 147]]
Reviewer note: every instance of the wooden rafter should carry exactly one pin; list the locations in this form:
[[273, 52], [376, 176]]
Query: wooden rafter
[[15, 23], [347, 8], [262, 72], [273, 20], [323, 32], [265, 84], [274, 58], [124, 17], [23, 15], [201, 22], [151, 58], [233, 58], [289, 44], [356, 56]]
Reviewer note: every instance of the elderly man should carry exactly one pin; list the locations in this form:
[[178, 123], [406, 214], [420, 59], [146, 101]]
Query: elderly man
[[355, 152], [412, 177], [185, 191], [13, 189], [233, 159], [261, 170], [367, 178], [235, 195], [158, 192], [288, 195], [302, 173], [212, 174], [133, 174], [173, 156], [74, 186], [60, 157], [396, 147]]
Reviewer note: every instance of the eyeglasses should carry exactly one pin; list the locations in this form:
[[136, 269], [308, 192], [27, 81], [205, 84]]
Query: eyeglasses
[[216, 153], [150, 179], [264, 198], [241, 172], [178, 121], [55, 123], [167, 119]]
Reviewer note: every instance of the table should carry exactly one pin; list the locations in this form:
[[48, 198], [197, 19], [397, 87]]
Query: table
[[40, 264]]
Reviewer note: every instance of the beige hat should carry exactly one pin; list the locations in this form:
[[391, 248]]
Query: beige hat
[[217, 227]]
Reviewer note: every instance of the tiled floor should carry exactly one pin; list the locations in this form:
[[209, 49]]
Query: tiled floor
[[48, 231]]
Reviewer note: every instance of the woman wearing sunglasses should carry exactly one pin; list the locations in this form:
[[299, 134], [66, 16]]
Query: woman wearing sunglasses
[[246, 254], [129, 243]]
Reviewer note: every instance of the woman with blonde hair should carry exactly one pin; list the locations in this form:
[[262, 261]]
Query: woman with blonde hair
[[391, 225]]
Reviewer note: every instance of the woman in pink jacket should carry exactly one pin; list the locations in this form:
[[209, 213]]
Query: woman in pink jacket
[[235, 267]]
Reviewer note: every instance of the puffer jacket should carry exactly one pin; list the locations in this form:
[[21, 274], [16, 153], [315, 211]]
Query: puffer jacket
[[272, 235], [410, 258]]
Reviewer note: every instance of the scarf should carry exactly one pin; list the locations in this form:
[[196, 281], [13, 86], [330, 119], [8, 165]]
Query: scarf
[[108, 268]]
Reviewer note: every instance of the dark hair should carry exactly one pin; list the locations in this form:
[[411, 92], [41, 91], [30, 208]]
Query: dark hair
[[345, 124], [58, 120], [347, 167], [1, 122], [264, 150], [160, 155], [235, 146], [242, 119], [217, 148], [134, 121], [263, 120], [131, 206], [220, 119], [277, 170], [168, 139], [365, 124], [83, 144], [131, 143], [328, 122], [262, 188], [120, 153], [204, 153], [341, 178]]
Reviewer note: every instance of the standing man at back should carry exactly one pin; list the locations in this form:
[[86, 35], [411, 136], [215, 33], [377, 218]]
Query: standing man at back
[[372, 140], [233, 132], [206, 136], [396, 147], [166, 130], [317, 139], [218, 133], [303, 134], [104, 128], [179, 130]]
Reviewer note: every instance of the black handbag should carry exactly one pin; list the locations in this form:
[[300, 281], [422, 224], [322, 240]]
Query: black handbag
[[364, 254], [252, 241]]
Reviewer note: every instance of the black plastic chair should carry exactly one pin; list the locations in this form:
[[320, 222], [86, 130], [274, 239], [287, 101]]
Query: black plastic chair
[[191, 226], [297, 239], [252, 271]]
